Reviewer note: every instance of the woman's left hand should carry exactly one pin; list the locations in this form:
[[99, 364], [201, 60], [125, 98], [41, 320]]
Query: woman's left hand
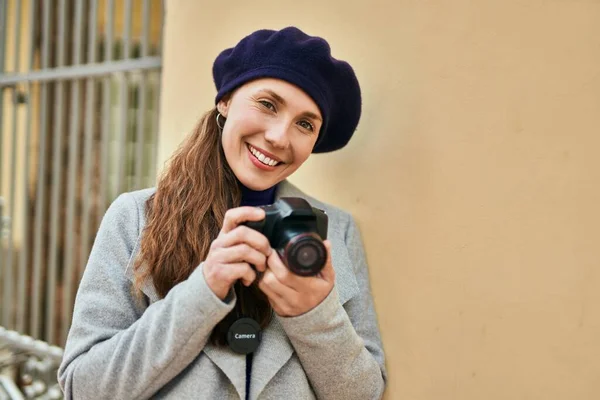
[[291, 295]]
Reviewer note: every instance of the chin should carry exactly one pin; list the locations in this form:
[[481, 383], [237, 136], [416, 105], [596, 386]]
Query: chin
[[253, 184]]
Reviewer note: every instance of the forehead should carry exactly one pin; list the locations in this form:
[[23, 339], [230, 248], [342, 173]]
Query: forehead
[[291, 94]]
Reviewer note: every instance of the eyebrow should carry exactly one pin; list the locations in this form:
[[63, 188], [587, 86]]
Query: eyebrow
[[281, 100]]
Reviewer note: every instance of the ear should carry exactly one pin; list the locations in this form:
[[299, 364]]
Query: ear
[[223, 105]]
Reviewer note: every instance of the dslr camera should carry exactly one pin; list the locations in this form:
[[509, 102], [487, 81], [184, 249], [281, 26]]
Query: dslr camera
[[295, 230]]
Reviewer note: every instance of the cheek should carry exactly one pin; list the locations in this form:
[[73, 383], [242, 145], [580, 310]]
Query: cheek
[[238, 130], [231, 145], [302, 157], [227, 141], [250, 122]]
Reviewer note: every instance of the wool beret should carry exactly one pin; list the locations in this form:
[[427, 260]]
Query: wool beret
[[305, 61]]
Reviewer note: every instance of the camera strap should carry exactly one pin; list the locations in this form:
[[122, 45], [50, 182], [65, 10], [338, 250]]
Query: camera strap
[[244, 334]]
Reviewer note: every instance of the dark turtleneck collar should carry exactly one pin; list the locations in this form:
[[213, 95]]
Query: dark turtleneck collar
[[257, 198]]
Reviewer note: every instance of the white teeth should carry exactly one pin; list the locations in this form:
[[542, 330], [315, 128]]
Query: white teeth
[[264, 159]]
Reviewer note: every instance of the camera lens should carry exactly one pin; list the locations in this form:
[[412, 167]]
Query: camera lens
[[305, 255]]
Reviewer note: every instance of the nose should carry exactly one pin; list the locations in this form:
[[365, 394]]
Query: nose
[[277, 135]]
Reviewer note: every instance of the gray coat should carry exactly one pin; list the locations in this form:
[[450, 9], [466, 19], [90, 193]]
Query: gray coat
[[118, 348]]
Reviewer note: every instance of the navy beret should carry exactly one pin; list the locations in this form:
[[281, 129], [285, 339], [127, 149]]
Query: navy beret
[[305, 61]]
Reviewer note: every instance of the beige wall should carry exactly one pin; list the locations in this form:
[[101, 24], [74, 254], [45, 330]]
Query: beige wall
[[473, 175]]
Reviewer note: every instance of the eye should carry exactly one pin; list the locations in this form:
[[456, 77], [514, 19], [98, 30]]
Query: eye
[[267, 104], [306, 125]]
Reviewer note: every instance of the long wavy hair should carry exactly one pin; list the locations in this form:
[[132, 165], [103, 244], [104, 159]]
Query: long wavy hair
[[185, 215]]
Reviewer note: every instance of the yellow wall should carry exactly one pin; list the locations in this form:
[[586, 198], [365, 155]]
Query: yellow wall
[[473, 175]]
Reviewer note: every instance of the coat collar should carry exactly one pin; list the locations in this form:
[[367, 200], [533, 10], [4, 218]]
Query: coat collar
[[275, 348]]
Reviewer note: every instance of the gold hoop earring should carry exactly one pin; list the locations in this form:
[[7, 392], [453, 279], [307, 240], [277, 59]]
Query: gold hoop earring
[[218, 124]]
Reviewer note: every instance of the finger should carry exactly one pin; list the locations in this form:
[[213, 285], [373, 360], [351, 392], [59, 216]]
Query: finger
[[275, 300], [280, 297], [242, 253], [328, 273], [236, 216], [249, 275], [271, 294], [243, 234], [237, 271], [283, 274], [277, 289]]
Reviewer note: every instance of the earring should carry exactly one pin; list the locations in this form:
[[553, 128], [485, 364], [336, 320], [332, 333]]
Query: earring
[[218, 124]]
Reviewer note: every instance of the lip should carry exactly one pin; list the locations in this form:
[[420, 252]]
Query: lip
[[266, 153], [259, 164]]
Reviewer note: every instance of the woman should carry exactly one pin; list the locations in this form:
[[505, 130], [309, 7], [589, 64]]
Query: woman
[[173, 268]]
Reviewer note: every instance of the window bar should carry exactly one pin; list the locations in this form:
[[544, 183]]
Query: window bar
[[9, 270], [41, 184], [23, 267], [3, 12], [73, 169], [81, 71], [156, 110], [141, 106], [56, 175], [90, 93], [3, 36], [106, 95], [121, 148]]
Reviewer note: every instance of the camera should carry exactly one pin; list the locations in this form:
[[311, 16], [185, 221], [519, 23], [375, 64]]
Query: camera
[[295, 230]]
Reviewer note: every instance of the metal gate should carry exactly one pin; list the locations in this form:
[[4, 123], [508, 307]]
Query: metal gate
[[79, 95]]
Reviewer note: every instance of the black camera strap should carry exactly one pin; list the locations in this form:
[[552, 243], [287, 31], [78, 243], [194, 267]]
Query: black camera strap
[[244, 334]]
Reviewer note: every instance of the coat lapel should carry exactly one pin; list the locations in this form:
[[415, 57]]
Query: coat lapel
[[232, 364], [274, 351]]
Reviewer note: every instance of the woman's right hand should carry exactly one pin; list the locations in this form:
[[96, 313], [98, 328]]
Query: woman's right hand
[[232, 252]]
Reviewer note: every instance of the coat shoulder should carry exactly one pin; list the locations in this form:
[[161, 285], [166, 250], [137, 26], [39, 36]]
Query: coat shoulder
[[133, 203]]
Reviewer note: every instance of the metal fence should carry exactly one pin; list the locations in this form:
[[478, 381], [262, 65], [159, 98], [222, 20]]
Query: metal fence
[[79, 94]]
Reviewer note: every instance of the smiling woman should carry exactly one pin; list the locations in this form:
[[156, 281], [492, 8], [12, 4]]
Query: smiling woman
[[272, 126], [176, 274]]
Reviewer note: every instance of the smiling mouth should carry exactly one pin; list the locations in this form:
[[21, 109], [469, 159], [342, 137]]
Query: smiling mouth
[[263, 158]]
